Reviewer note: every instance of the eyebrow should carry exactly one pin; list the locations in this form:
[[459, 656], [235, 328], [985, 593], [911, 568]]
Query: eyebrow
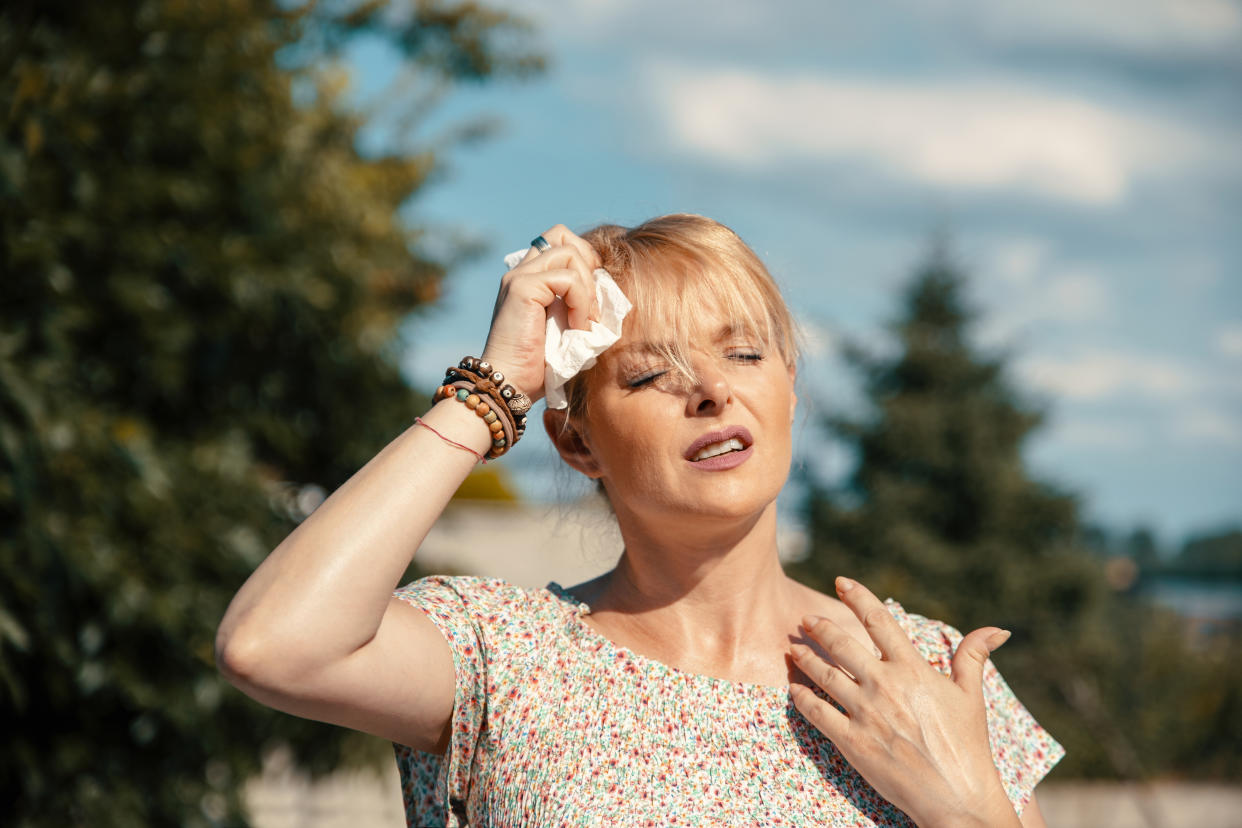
[[726, 332]]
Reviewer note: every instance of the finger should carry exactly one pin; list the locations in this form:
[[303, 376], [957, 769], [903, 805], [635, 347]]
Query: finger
[[581, 310], [840, 646], [878, 621], [552, 259], [582, 307], [580, 301], [826, 718], [562, 235], [830, 679], [545, 286], [972, 654]]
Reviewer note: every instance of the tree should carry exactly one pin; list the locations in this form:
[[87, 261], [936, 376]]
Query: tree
[[1215, 554], [202, 280], [942, 514], [940, 493]]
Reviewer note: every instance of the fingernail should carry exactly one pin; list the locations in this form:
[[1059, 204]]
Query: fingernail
[[809, 621], [845, 584], [998, 638]]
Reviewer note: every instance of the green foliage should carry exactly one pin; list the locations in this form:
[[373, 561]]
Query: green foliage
[[201, 283], [942, 515], [1211, 555]]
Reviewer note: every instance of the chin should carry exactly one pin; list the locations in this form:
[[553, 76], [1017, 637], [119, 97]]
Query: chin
[[732, 500]]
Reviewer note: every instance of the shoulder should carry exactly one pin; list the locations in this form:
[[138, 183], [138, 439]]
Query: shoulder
[[464, 592], [490, 611]]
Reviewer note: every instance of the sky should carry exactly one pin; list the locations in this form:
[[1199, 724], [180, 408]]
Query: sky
[[1084, 159]]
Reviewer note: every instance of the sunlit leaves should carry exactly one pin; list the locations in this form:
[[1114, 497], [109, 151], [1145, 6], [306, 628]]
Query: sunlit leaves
[[201, 281]]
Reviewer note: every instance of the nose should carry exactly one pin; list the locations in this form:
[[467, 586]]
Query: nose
[[711, 394]]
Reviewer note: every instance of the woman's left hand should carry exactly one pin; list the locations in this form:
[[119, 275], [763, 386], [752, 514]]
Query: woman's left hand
[[919, 737]]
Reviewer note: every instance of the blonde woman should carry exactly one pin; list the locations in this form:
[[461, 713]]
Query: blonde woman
[[695, 683]]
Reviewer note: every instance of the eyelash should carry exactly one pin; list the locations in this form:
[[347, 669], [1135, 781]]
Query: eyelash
[[742, 356], [646, 379]]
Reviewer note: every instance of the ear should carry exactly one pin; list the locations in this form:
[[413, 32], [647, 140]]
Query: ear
[[793, 394], [570, 443]]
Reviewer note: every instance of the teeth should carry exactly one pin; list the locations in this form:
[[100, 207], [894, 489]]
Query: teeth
[[732, 444]]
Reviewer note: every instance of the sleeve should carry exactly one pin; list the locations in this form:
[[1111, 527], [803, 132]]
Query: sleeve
[[1023, 751], [435, 788]]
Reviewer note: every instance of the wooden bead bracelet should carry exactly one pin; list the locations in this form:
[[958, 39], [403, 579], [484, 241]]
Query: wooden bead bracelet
[[483, 390]]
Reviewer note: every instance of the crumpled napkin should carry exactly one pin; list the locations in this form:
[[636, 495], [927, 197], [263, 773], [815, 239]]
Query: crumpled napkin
[[566, 350]]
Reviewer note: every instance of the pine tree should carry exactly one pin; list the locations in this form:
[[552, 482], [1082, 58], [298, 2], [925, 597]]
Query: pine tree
[[200, 285], [941, 494], [942, 515]]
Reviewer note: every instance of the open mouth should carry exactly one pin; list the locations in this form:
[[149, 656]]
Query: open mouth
[[731, 440], [717, 449]]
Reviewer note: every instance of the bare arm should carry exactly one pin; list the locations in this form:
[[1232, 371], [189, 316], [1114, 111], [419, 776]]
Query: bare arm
[[316, 619], [1032, 817], [314, 631]]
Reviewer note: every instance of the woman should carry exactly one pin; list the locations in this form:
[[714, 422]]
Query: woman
[[694, 683]]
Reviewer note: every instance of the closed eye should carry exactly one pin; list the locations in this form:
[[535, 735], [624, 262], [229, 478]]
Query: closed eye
[[746, 355], [646, 379]]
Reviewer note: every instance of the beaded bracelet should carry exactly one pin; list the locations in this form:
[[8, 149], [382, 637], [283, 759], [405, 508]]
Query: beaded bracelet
[[503, 433], [480, 374], [481, 388], [485, 387]]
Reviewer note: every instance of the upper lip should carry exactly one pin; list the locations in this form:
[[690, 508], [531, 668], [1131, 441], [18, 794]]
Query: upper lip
[[740, 432]]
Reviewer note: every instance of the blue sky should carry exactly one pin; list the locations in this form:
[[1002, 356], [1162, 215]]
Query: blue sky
[[1084, 158]]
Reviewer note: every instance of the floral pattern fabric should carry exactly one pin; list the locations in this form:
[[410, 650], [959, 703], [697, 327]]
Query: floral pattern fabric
[[553, 724]]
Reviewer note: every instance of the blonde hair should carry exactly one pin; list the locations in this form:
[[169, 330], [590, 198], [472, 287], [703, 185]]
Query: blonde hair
[[672, 268]]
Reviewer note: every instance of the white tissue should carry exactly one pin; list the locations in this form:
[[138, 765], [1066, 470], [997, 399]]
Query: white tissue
[[566, 350]]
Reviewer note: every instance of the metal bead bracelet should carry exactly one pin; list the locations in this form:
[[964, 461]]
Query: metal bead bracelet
[[474, 383], [482, 375]]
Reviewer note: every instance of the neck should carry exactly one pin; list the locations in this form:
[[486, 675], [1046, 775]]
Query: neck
[[705, 588]]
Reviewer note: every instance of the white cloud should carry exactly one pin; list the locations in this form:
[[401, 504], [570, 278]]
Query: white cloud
[[1229, 341], [963, 136], [1033, 292], [1210, 427], [1096, 375], [1148, 27]]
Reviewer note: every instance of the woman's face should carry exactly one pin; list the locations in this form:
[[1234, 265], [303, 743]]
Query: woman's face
[[717, 445]]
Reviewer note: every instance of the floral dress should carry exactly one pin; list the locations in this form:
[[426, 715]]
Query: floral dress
[[553, 724]]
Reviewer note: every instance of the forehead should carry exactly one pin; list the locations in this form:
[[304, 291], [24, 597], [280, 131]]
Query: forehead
[[641, 339]]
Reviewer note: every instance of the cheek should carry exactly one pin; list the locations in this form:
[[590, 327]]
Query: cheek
[[629, 445]]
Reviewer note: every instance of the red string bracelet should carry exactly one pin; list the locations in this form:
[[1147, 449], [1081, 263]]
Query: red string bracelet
[[453, 443]]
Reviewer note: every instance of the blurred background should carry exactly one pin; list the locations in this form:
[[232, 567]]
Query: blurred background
[[241, 240]]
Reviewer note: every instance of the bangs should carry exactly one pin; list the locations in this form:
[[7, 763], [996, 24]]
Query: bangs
[[681, 272], [676, 291]]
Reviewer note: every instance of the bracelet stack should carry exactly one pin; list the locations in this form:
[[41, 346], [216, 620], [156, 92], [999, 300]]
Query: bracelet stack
[[482, 389]]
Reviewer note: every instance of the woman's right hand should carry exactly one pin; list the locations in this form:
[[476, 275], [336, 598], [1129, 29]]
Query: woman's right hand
[[563, 272]]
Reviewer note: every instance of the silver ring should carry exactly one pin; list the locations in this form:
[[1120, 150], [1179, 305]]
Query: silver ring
[[540, 243]]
